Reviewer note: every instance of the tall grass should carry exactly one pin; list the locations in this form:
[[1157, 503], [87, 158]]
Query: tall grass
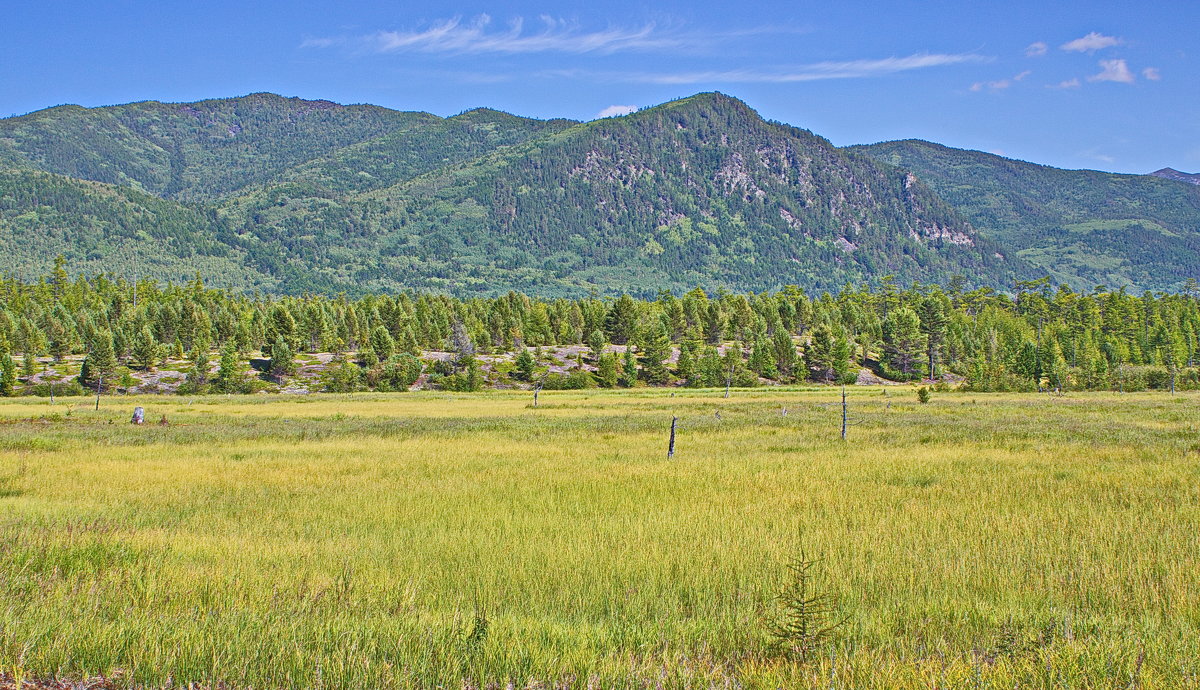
[[461, 540]]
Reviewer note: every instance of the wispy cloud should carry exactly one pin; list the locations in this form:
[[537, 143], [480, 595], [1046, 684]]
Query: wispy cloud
[[1000, 84], [1036, 49], [851, 69], [615, 110], [1113, 70], [456, 36], [1091, 43], [1065, 84], [1152, 74]]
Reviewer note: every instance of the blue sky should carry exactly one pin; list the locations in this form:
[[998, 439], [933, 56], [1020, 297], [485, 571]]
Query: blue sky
[[1105, 85]]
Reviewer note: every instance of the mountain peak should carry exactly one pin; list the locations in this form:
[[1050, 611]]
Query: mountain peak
[[1173, 174]]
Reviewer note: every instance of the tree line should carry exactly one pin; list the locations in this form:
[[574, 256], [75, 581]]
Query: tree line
[[1037, 337]]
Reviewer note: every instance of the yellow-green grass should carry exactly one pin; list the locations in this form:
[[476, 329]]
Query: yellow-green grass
[[352, 541]]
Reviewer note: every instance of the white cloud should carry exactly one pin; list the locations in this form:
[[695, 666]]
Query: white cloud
[[851, 69], [1037, 49], [991, 85], [615, 110], [1001, 84], [1091, 43], [478, 36], [1113, 70], [1152, 74], [1066, 84]]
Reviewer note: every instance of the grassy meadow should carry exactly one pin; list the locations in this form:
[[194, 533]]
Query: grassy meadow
[[470, 540]]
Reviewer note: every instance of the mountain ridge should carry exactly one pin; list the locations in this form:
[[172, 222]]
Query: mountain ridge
[[315, 195]]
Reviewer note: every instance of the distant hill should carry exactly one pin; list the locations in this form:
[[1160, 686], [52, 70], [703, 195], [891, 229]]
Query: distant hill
[[192, 151], [1082, 227], [290, 195], [1173, 174]]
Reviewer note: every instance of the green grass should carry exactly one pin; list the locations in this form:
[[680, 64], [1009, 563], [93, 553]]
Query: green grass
[[352, 541]]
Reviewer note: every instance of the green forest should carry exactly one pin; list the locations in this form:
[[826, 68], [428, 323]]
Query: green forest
[[107, 334], [290, 196]]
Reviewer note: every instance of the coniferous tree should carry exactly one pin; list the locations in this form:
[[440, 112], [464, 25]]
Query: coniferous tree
[[229, 377], [655, 349], [382, 343], [784, 351], [8, 370], [145, 349], [903, 344], [629, 371], [282, 358], [596, 344], [525, 365], [606, 370], [101, 359]]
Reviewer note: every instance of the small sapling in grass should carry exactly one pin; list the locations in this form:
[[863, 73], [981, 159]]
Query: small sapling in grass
[[806, 618]]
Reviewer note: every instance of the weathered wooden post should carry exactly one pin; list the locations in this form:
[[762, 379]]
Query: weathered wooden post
[[843, 413], [537, 388], [671, 443], [99, 387], [139, 416]]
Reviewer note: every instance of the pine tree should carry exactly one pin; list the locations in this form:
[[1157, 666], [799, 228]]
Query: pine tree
[[819, 354], [687, 366], [762, 359], [903, 344], [656, 348], [621, 321], [229, 371], [606, 370], [784, 351], [629, 371], [8, 370], [101, 359], [382, 343], [282, 358], [145, 350], [934, 322], [596, 344], [525, 365]]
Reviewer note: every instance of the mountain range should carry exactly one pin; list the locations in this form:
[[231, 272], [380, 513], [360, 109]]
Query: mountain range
[[287, 195]]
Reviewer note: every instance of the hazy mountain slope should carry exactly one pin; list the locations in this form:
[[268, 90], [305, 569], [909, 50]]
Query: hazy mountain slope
[[1083, 227], [1173, 174]]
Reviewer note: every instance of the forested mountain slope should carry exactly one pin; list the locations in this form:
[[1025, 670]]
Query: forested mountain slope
[[290, 195], [107, 228], [192, 151], [1083, 227]]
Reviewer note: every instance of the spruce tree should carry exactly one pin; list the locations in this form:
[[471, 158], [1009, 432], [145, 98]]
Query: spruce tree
[[596, 344], [145, 350], [784, 351], [606, 370], [102, 360], [656, 348], [629, 371], [903, 344], [382, 343], [8, 370], [229, 371], [525, 365], [281, 358]]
